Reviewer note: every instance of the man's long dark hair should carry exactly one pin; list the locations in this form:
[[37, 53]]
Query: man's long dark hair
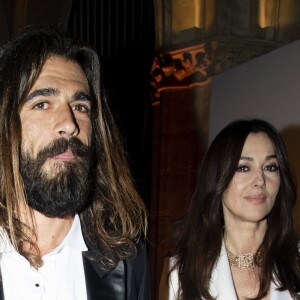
[[115, 218], [199, 235]]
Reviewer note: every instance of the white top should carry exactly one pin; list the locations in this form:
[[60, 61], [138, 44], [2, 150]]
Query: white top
[[221, 285], [60, 278]]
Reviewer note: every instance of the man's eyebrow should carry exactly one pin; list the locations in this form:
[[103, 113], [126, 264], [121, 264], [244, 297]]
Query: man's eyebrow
[[54, 92], [43, 92], [268, 157], [82, 96]]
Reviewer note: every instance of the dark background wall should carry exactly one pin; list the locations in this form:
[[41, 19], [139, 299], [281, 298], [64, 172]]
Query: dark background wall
[[122, 31]]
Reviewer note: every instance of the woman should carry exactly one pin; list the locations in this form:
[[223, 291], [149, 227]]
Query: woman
[[237, 239]]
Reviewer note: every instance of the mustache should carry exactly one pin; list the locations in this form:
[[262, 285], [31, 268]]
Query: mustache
[[60, 146]]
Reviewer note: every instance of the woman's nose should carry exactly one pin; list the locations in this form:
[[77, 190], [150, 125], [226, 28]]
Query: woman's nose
[[259, 179]]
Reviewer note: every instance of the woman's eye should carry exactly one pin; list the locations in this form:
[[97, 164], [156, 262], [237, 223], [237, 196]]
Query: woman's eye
[[242, 169], [41, 106], [271, 168]]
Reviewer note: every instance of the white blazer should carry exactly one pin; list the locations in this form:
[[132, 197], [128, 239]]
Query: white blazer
[[221, 286]]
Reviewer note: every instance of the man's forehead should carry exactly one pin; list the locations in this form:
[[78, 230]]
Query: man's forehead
[[58, 61], [59, 68]]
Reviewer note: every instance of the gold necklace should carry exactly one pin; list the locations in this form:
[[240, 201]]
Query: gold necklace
[[244, 261]]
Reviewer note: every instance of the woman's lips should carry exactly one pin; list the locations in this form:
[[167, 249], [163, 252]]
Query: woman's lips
[[256, 199]]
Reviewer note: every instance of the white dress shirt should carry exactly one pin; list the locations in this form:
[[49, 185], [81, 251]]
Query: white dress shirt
[[60, 278], [221, 285]]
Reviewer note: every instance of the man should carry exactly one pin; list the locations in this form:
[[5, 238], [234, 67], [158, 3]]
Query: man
[[71, 220]]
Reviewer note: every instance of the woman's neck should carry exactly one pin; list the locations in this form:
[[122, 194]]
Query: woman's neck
[[244, 238]]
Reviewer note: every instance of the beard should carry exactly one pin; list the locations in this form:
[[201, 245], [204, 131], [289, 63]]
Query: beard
[[64, 190]]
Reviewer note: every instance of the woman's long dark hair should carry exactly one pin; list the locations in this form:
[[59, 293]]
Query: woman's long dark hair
[[115, 219], [199, 234]]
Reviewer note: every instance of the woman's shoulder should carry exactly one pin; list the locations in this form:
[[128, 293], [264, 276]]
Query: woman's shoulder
[[169, 282]]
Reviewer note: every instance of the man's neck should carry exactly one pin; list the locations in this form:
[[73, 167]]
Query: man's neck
[[50, 232]]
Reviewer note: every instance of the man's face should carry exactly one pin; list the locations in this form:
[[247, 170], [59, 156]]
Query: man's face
[[56, 138], [58, 106]]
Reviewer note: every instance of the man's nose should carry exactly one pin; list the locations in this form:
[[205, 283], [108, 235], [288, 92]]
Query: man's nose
[[65, 123]]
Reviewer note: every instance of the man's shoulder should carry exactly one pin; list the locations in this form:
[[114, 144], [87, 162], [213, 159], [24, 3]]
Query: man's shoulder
[[137, 273], [134, 261], [130, 276], [137, 262]]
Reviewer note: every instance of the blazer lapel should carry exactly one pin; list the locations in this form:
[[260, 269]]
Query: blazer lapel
[[1, 290], [222, 285], [1, 286], [101, 285], [278, 295]]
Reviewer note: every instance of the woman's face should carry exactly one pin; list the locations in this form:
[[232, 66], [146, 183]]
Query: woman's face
[[252, 191]]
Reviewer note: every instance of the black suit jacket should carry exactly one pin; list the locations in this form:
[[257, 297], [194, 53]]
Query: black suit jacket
[[128, 281]]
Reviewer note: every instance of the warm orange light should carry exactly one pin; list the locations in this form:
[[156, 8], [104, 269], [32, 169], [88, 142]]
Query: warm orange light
[[275, 13], [192, 13], [183, 15], [266, 13]]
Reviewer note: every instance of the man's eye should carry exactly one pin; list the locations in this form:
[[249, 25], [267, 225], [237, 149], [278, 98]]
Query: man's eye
[[271, 168], [81, 108], [242, 169], [41, 106]]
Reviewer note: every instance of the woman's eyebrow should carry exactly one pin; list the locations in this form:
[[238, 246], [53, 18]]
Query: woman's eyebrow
[[271, 156], [248, 158]]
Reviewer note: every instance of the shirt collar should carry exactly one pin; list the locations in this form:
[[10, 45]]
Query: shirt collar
[[74, 239], [5, 244]]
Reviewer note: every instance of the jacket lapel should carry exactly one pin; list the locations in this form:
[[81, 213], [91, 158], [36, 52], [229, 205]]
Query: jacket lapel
[[222, 285], [279, 295], [100, 284], [1, 290], [1, 286]]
